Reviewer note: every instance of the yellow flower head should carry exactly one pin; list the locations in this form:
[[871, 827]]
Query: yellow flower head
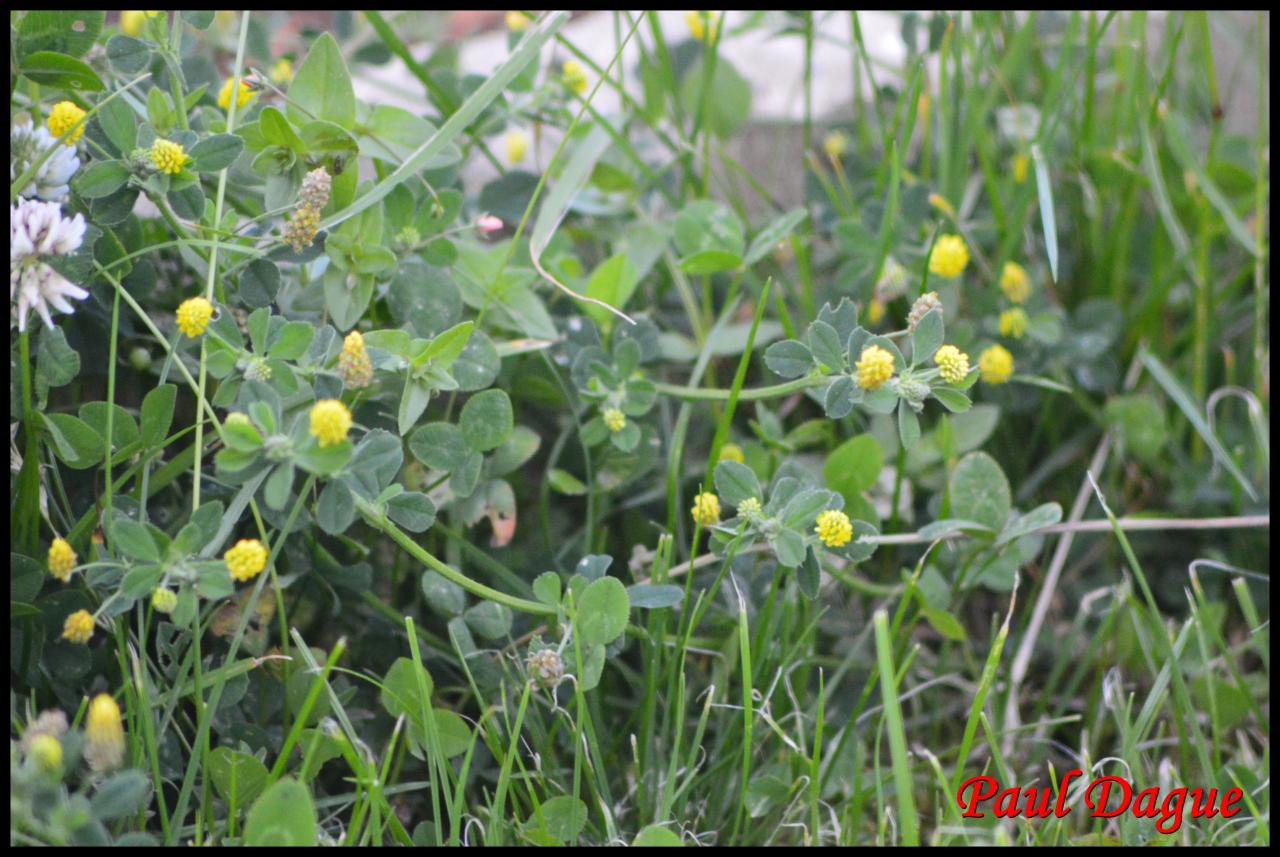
[[168, 156], [875, 311], [995, 364], [330, 422], [953, 364], [245, 95], [750, 508], [614, 420], [61, 559], [354, 366], [46, 754], [131, 21], [706, 509], [281, 72], [1013, 322], [103, 733], [1014, 282], [835, 145], [949, 256], [164, 600], [1020, 164], [79, 627], [517, 146], [517, 21], [698, 27], [246, 559], [731, 452], [300, 230], [194, 315], [875, 366], [62, 118], [574, 76], [834, 528]]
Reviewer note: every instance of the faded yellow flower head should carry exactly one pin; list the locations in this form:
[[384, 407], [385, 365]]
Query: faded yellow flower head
[[281, 72], [168, 157], [246, 93], [79, 627], [46, 754], [354, 367], [103, 733], [731, 452], [1020, 164], [1014, 282], [875, 366], [835, 145], [574, 76], [706, 509], [246, 559], [164, 600], [750, 508], [702, 25], [194, 315], [330, 422], [949, 256], [300, 230], [517, 21], [62, 118], [995, 364], [614, 420], [61, 559], [875, 311], [834, 528], [131, 21], [1013, 323], [517, 146], [953, 364]]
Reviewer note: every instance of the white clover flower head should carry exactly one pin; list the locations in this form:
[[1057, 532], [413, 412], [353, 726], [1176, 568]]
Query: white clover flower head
[[27, 144], [38, 230]]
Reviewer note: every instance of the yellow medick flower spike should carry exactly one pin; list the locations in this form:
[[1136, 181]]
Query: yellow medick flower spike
[[731, 452], [834, 528], [46, 753], [1013, 322], [103, 733], [194, 315], [995, 364], [354, 367], [835, 144], [614, 420], [63, 117], [706, 509], [517, 146], [517, 21], [246, 559], [574, 76], [953, 364], [1014, 282], [875, 311], [164, 600], [131, 21], [79, 627], [949, 256], [244, 97], [330, 422], [168, 156], [281, 72], [61, 559], [875, 366]]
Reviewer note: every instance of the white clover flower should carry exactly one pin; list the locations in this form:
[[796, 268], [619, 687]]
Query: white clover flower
[[26, 146], [38, 230]]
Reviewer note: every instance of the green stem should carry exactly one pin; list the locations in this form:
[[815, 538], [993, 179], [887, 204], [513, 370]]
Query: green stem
[[749, 395]]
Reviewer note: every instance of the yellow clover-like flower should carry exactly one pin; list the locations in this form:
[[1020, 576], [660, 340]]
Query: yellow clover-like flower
[[706, 509], [834, 528], [1020, 164], [164, 600], [698, 27], [281, 72], [517, 146], [46, 754], [574, 76], [953, 364], [835, 145], [132, 20], [875, 366], [64, 116], [244, 96], [79, 627], [354, 366], [103, 733], [1013, 322], [1015, 283], [61, 559], [875, 311], [614, 420], [168, 157], [750, 508], [732, 452], [246, 559], [995, 364], [330, 422], [949, 256], [194, 315], [517, 21]]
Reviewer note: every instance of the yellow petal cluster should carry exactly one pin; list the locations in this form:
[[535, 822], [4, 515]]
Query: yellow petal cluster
[[834, 528], [61, 559], [79, 627], [949, 256], [244, 96], [875, 366], [953, 364], [995, 364], [246, 559], [706, 509], [194, 315], [62, 118], [1015, 283], [330, 422]]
